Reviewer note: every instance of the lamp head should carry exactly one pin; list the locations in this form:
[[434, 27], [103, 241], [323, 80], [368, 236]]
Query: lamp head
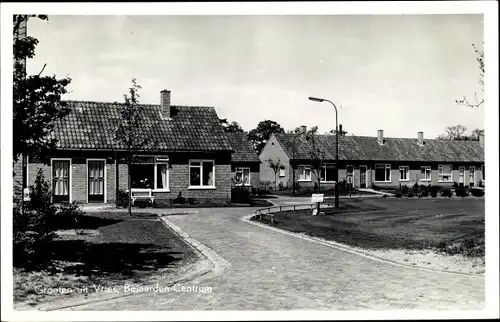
[[316, 99]]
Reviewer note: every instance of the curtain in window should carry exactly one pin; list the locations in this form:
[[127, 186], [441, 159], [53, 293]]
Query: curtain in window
[[161, 173], [208, 178], [61, 178]]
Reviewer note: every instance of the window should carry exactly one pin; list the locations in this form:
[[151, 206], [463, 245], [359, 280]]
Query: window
[[149, 173], [328, 172], [425, 173], [201, 174], [461, 174], [61, 180], [304, 173], [404, 173], [243, 176], [444, 173], [282, 171], [383, 172]]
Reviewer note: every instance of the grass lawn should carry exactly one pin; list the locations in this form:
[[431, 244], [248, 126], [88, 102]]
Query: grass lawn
[[453, 226], [114, 248]]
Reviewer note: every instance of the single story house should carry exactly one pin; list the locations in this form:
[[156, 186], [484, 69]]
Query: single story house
[[365, 161], [245, 163], [190, 155]]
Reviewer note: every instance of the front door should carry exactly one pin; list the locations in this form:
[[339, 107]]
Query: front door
[[60, 180], [362, 176], [96, 181]]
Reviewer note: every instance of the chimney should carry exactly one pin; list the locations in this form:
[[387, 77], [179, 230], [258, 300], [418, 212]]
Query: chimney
[[420, 136], [380, 137], [165, 104], [303, 129], [481, 139]]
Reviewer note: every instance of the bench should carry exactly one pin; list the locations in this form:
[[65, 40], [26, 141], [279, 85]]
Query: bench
[[142, 194]]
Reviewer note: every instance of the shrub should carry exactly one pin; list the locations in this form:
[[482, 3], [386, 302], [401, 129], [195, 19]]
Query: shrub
[[280, 186], [424, 191], [122, 198], [477, 192], [416, 188], [240, 195], [434, 190], [398, 194], [193, 201], [446, 192], [461, 192], [411, 193], [143, 202], [179, 199], [405, 190], [33, 229], [68, 216]]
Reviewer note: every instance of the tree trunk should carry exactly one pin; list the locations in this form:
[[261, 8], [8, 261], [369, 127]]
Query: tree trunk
[[129, 188], [275, 182]]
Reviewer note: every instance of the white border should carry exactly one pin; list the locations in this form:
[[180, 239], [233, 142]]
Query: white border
[[70, 175], [488, 8], [105, 178], [201, 186]]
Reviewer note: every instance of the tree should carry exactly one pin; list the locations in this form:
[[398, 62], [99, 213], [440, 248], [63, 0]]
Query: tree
[[231, 127], [36, 102], [341, 133], [261, 134], [477, 102], [130, 133], [455, 132], [275, 166], [316, 154], [476, 133]]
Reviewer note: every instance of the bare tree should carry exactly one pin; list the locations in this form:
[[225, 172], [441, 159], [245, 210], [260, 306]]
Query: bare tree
[[275, 166], [476, 101], [456, 132]]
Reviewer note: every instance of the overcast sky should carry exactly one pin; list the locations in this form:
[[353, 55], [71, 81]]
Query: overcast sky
[[398, 73]]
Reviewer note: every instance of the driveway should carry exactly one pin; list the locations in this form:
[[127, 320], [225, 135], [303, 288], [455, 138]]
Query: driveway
[[274, 271]]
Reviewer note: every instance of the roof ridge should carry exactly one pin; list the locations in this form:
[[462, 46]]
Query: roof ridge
[[145, 104], [385, 137]]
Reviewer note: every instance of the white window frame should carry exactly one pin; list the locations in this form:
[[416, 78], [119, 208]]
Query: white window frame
[[304, 166], [323, 166], [164, 161], [427, 169], [441, 173], [282, 171], [105, 179], [238, 169], [201, 186], [461, 173], [385, 166], [70, 175], [402, 167]]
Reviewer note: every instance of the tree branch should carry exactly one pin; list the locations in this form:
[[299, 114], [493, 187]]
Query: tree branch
[[40, 73]]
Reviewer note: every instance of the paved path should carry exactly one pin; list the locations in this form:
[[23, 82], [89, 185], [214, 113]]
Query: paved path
[[274, 271]]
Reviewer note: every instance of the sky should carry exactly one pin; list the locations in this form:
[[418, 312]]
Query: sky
[[399, 73]]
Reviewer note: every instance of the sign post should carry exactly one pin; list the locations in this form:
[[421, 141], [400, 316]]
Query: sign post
[[318, 199]]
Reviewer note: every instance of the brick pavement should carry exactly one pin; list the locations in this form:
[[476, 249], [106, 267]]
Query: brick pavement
[[274, 271]]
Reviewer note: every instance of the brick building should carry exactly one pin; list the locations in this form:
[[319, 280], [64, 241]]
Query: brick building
[[367, 161], [245, 163], [191, 155]]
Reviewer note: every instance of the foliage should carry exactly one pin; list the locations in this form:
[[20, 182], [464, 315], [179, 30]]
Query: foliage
[[36, 100], [122, 199], [316, 155], [477, 192], [477, 102], [231, 127], [446, 192], [179, 199], [33, 229], [240, 195], [411, 193], [461, 192], [424, 190], [261, 134], [405, 190], [398, 194], [342, 132], [434, 190], [143, 202]]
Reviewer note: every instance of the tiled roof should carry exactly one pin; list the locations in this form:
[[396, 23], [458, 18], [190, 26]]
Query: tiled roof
[[394, 149], [91, 125], [243, 149]]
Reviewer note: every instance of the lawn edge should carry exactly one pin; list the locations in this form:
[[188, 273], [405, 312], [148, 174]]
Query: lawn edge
[[352, 250], [205, 263]]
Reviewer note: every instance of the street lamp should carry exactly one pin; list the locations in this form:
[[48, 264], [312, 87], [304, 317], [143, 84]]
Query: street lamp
[[293, 158], [317, 99]]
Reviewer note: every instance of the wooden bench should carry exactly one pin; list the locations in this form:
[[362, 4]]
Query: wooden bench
[[142, 194]]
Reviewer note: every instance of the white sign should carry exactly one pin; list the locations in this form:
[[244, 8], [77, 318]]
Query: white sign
[[317, 197]]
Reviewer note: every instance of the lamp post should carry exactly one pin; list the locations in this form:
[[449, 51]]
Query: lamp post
[[317, 99], [293, 158]]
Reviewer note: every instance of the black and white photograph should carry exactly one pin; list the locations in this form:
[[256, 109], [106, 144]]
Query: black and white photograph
[[190, 161]]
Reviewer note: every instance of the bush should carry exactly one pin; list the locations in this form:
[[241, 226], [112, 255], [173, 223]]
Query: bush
[[416, 189], [405, 190], [240, 195], [434, 190], [411, 193], [461, 192], [68, 216], [33, 229], [424, 191], [143, 202], [446, 192], [477, 192], [192, 201], [398, 194], [122, 198], [180, 199]]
